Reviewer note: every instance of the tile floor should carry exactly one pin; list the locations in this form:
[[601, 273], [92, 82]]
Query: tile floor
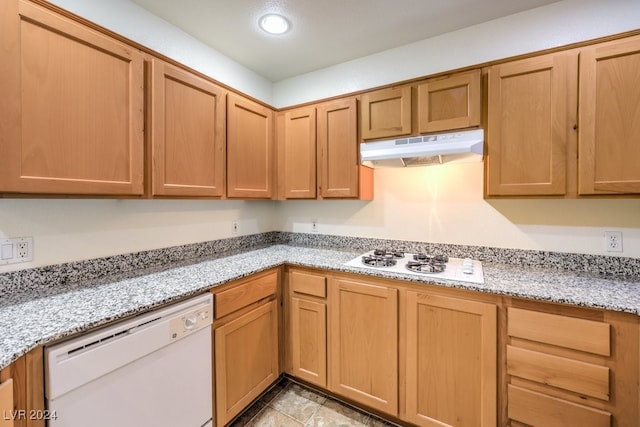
[[288, 404]]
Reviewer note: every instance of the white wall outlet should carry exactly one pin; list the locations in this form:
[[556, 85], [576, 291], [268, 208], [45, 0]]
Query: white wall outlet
[[314, 225], [16, 250], [613, 241], [235, 227]]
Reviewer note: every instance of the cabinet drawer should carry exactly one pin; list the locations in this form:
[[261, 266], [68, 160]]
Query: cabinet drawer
[[234, 299], [537, 409], [572, 375], [309, 284], [569, 332]]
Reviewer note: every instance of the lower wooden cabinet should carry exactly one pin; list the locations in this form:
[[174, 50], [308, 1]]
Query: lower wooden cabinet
[[451, 361], [246, 345], [6, 403], [22, 392], [363, 343], [308, 327], [567, 366]]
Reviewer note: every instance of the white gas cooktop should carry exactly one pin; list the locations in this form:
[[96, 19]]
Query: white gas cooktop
[[463, 270]]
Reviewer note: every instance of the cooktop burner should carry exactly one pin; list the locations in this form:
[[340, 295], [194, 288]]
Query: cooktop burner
[[429, 265], [388, 253], [425, 267], [378, 261]]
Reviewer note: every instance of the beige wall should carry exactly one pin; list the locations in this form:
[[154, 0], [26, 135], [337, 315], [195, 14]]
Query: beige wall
[[445, 204], [68, 229]]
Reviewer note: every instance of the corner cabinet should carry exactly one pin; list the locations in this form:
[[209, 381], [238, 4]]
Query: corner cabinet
[[73, 107], [246, 343], [451, 361], [340, 174], [188, 134], [318, 153], [363, 343], [609, 136], [296, 130], [250, 149]]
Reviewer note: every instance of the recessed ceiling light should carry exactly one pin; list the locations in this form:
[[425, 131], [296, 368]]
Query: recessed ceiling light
[[274, 24]]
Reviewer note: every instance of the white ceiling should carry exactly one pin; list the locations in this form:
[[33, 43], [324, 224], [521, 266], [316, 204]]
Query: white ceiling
[[324, 32]]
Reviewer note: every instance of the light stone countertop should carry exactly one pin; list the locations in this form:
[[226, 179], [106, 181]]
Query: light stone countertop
[[39, 316]]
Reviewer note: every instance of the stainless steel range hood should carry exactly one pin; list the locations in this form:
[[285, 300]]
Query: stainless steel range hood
[[463, 146]]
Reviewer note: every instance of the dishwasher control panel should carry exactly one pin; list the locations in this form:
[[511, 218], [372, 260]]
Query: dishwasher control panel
[[191, 321]]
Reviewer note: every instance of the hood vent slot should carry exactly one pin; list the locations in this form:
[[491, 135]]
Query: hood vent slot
[[427, 150]]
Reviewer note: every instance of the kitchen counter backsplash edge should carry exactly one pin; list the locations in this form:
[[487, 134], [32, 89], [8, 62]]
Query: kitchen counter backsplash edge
[[94, 269], [86, 270], [597, 265]]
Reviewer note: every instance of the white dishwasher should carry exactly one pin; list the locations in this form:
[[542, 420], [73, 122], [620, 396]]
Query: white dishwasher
[[151, 370]]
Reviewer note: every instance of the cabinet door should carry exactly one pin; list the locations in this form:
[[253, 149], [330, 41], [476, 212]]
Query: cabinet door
[[338, 165], [297, 171], [22, 388], [188, 134], [449, 103], [6, 403], [451, 374], [386, 113], [246, 360], [250, 149], [529, 125], [72, 107], [609, 134], [363, 344], [309, 340]]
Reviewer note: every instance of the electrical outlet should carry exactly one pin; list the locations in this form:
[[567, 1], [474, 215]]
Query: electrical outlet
[[235, 227], [314, 225], [613, 241], [16, 250]]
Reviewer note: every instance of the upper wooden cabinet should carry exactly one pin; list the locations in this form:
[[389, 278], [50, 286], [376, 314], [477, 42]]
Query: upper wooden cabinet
[[318, 154], [452, 102], [188, 134], [297, 153], [609, 118], [443, 103], [386, 113], [250, 149], [340, 174], [72, 107], [529, 123], [566, 124]]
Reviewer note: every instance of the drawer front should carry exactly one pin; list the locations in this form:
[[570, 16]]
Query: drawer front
[[537, 409], [309, 284], [569, 332], [572, 375], [226, 302]]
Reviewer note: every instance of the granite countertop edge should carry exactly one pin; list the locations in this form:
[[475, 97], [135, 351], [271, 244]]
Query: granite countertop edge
[[42, 316]]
